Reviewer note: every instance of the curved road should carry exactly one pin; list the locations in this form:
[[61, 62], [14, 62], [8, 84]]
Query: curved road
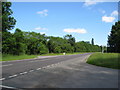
[[68, 71]]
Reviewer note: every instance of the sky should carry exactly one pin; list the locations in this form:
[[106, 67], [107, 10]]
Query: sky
[[83, 20]]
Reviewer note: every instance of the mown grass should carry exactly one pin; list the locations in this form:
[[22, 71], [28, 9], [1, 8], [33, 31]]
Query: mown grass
[[109, 60], [8, 57]]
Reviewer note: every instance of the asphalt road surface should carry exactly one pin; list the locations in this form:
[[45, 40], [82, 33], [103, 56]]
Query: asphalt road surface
[[66, 71]]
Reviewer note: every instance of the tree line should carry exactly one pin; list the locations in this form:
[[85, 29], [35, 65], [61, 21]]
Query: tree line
[[114, 38], [21, 42]]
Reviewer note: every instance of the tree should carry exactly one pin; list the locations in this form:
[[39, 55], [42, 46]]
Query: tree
[[8, 21], [92, 41], [114, 38], [8, 44], [20, 46], [86, 47], [70, 39], [35, 43]]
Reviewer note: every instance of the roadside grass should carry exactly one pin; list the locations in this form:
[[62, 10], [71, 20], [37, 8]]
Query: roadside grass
[[8, 57], [109, 60]]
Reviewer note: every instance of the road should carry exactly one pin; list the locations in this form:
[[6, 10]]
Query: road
[[68, 71]]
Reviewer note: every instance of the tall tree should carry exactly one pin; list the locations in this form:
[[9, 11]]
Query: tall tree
[[114, 38], [70, 39], [92, 41], [8, 21]]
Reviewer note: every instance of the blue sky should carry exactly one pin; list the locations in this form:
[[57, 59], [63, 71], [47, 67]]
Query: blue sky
[[84, 20]]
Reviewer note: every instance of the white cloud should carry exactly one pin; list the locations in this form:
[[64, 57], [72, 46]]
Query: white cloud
[[43, 12], [114, 13], [40, 28], [89, 3], [78, 30], [93, 2], [108, 19], [42, 32]]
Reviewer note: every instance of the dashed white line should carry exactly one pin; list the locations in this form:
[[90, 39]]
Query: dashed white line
[[13, 76], [48, 66], [38, 68], [7, 87], [52, 64], [2, 79], [23, 73], [31, 70]]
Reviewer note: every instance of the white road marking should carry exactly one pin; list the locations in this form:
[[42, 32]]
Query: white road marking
[[6, 65], [52, 65], [43, 67], [23, 73], [13, 76], [48, 66], [31, 70], [38, 68], [7, 87], [2, 79]]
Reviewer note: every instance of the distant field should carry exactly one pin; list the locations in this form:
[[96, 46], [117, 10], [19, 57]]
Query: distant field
[[6, 57], [109, 60]]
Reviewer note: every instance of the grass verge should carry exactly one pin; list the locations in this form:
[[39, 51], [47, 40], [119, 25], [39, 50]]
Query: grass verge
[[8, 57], [110, 60]]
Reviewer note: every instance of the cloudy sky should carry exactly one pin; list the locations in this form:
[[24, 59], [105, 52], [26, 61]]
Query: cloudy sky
[[84, 20]]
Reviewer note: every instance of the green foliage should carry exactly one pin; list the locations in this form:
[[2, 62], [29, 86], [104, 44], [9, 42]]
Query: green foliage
[[70, 39], [86, 47], [109, 60], [8, 44], [114, 38], [8, 21], [58, 49], [35, 43], [20, 46], [59, 45], [20, 42]]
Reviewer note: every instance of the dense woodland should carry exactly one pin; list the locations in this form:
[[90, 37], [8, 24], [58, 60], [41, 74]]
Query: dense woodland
[[21, 42]]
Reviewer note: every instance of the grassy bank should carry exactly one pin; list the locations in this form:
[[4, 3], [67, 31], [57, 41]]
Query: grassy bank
[[6, 57], [109, 60]]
